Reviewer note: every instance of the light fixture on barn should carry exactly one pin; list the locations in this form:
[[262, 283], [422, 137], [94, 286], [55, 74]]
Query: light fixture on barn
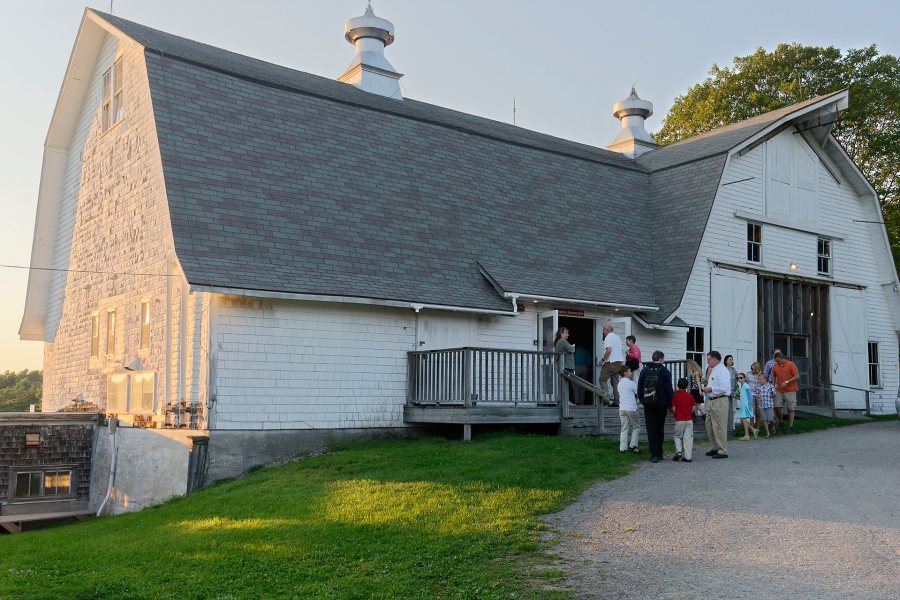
[[793, 267]]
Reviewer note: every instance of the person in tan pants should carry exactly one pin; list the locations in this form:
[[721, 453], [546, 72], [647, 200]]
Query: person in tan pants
[[718, 391]]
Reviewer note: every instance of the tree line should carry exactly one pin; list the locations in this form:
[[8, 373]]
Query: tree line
[[20, 389], [869, 130]]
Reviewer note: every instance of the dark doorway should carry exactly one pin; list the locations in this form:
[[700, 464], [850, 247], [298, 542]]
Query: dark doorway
[[581, 333], [794, 316]]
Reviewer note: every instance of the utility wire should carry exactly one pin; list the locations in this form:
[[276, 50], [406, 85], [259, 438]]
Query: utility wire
[[116, 273]]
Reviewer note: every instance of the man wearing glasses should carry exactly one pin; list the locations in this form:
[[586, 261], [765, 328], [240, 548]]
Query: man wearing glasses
[[718, 390]]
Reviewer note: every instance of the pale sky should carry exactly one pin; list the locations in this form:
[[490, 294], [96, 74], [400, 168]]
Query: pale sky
[[565, 62]]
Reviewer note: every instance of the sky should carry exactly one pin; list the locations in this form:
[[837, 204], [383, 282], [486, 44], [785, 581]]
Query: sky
[[564, 63]]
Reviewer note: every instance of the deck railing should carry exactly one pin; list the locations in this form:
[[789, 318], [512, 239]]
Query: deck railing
[[470, 376]]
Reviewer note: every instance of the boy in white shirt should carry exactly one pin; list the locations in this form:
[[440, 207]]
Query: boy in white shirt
[[628, 411]]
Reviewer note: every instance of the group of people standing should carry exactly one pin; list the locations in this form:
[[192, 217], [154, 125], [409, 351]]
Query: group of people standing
[[761, 399]]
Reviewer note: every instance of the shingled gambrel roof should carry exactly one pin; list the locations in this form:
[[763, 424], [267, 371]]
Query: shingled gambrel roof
[[283, 181], [307, 185]]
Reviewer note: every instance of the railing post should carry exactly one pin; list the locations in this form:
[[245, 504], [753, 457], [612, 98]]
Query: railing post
[[469, 391], [868, 406]]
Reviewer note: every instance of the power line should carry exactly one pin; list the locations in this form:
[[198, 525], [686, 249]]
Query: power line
[[116, 273]]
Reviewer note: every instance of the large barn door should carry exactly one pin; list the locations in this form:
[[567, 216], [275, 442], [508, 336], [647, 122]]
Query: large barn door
[[734, 305], [849, 366]]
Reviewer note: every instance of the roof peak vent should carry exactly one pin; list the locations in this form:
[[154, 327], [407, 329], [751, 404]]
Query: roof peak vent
[[370, 70], [634, 139]]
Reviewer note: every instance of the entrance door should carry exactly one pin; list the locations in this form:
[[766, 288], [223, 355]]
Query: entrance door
[[734, 316], [849, 348], [548, 323]]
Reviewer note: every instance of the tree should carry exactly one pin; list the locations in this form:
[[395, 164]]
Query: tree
[[20, 389], [869, 129]]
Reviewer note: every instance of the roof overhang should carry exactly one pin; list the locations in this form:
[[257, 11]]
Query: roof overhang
[[277, 295]]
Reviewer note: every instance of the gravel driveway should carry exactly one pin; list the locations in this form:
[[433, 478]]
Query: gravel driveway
[[807, 516]]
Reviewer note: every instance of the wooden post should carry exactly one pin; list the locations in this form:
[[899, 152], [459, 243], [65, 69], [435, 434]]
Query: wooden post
[[467, 432], [469, 391]]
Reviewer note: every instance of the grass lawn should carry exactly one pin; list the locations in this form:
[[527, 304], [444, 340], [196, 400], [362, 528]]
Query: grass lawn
[[386, 519]]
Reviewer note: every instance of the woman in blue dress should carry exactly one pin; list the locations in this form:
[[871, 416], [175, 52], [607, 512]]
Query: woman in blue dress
[[745, 407]]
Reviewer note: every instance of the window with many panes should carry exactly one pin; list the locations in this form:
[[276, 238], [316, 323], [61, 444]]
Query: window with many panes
[[43, 483], [111, 332], [874, 366], [133, 393], [145, 324], [95, 335], [112, 105], [824, 253], [754, 242], [695, 345]]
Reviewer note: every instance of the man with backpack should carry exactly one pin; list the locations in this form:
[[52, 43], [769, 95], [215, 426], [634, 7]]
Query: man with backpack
[[655, 393]]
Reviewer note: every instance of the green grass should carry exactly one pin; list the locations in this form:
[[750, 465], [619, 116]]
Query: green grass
[[387, 519]]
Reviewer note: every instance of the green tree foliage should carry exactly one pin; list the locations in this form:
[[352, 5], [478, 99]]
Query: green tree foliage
[[764, 81], [20, 389]]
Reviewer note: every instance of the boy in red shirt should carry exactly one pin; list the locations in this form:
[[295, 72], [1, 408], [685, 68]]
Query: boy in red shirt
[[683, 409]]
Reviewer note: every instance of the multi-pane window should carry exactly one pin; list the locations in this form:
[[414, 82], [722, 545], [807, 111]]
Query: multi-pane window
[[37, 484], [143, 388], [754, 242], [695, 345], [874, 372], [131, 393], [111, 332], [117, 393], [145, 325], [95, 335], [111, 107], [824, 253]]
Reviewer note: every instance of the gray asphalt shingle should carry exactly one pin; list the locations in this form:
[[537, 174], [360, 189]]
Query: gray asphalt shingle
[[279, 180]]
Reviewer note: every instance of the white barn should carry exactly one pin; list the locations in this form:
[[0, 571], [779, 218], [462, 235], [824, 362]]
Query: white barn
[[247, 252]]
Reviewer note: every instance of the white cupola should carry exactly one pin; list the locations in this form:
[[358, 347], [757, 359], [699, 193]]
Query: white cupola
[[370, 70], [633, 140]]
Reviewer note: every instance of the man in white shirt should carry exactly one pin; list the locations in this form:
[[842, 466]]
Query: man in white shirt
[[718, 391], [611, 363]]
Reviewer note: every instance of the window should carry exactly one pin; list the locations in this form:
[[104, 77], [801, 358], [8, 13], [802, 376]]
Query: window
[[143, 392], [874, 372], [117, 393], [824, 256], [754, 242], [111, 332], [95, 335], [695, 345], [111, 107], [131, 393], [40, 484], [145, 324]]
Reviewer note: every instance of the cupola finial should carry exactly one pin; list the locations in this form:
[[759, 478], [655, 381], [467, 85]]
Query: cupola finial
[[370, 70]]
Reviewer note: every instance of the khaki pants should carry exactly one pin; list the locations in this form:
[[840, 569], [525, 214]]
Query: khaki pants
[[630, 423], [609, 371], [717, 423], [684, 438]]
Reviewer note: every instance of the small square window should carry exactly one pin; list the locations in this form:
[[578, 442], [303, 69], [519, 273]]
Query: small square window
[[695, 344], [754, 242], [824, 256]]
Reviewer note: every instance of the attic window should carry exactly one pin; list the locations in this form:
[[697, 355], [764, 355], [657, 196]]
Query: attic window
[[112, 96]]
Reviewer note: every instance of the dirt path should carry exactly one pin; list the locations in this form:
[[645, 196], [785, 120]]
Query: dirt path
[[808, 516]]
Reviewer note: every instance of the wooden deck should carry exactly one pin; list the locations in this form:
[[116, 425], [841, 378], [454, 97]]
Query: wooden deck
[[13, 523]]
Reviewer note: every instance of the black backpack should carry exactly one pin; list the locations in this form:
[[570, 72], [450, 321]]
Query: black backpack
[[652, 386]]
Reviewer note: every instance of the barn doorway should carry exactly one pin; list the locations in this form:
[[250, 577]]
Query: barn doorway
[[794, 317], [582, 333]]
